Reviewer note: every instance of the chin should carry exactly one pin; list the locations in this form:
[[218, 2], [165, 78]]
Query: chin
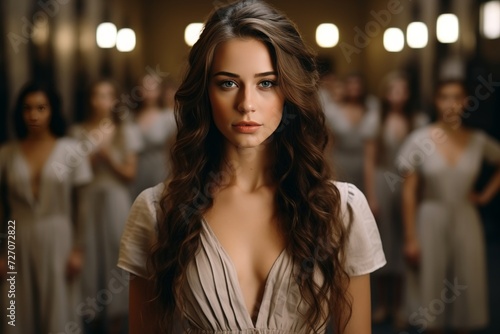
[[243, 144]]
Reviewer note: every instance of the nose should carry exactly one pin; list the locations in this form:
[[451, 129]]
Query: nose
[[246, 102], [32, 115]]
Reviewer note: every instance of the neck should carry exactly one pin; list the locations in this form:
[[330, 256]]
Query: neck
[[96, 120], [249, 168], [37, 137], [149, 106], [397, 109], [449, 126]]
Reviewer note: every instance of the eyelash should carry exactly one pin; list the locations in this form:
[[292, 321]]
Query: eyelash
[[223, 84]]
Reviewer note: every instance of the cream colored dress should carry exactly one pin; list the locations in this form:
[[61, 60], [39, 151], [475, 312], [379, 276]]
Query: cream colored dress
[[214, 299], [45, 300], [349, 139], [153, 158], [107, 202], [451, 283]]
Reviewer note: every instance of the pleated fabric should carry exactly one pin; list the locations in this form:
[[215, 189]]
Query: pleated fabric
[[213, 299]]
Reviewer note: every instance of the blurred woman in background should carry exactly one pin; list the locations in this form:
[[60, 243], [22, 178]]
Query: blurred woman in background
[[444, 241], [41, 174], [354, 123], [112, 143], [383, 190], [157, 128]]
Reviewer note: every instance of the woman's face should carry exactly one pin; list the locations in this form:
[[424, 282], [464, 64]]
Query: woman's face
[[397, 92], [36, 112], [103, 99], [354, 87], [247, 104], [450, 101], [150, 90]]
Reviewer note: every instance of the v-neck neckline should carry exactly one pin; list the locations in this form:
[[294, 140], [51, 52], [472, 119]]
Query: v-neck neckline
[[36, 199], [236, 281], [463, 153]]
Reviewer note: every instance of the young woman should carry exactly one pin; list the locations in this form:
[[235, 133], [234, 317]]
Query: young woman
[[444, 241], [250, 234], [112, 144], [354, 123], [383, 190], [40, 173], [157, 129]]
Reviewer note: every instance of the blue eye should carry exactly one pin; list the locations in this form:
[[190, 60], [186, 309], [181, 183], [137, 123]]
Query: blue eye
[[227, 84], [267, 84]]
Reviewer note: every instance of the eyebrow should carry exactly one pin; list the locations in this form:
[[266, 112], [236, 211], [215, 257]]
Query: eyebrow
[[233, 75]]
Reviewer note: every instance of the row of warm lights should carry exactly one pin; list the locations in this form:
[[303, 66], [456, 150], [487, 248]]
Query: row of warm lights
[[107, 36], [447, 31]]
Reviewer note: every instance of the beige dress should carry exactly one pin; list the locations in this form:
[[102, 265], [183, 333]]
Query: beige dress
[[349, 139], [45, 301], [451, 284], [214, 301], [153, 163], [107, 202]]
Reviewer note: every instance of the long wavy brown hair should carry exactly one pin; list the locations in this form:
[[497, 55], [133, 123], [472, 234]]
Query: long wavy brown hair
[[308, 203]]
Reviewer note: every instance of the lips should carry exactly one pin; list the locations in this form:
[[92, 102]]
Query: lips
[[247, 127], [247, 124]]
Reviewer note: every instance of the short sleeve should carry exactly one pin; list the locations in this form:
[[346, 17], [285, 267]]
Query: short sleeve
[[82, 172], [414, 150], [139, 234], [333, 117], [491, 149], [363, 253], [371, 123], [133, 140]]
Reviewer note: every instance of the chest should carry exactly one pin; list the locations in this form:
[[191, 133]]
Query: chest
[[396, 128], [353, 113], [35, 159], [247, 229], [452, 158]]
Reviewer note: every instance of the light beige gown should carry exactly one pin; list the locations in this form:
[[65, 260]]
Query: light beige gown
[[45, 301], [451, 283]]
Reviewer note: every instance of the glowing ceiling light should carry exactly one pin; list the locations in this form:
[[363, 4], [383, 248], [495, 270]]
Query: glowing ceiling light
[[327, 35], [490, 19], [192, 33], [106, 35], [394, 40], [417, 35], [447, 28], [125, 40]]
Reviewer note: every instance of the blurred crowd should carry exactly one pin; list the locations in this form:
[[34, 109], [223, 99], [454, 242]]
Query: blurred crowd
[[418, 170], [67, 191]]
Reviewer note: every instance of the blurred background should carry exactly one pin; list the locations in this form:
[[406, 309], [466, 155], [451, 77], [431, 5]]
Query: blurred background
[[74, 43]]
